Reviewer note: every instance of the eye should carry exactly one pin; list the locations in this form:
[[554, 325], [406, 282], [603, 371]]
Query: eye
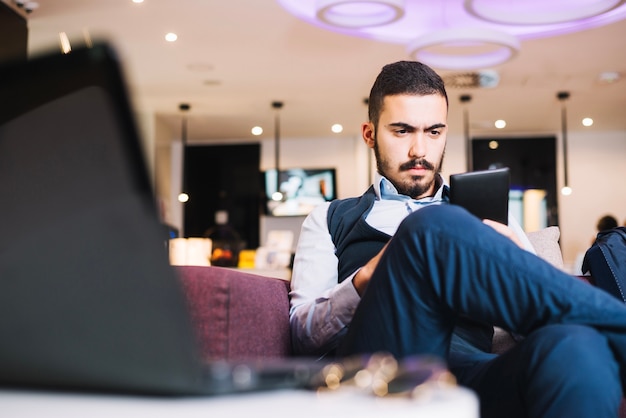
[[402, 130]]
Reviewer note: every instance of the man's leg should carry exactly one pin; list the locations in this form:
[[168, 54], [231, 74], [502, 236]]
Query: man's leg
[[557, 371], [443, 263]]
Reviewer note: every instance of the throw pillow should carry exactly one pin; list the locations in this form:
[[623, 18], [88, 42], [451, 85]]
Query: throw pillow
[[546, 244]]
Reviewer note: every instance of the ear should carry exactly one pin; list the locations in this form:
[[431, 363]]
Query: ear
[[368, 133]]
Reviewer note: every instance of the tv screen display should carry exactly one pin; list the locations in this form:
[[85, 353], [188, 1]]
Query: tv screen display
[[296, 191]]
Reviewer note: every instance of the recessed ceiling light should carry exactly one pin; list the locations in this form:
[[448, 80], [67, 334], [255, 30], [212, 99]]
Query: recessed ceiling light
[[336, 128], [171, 37], [587, 122], [257, 130], [500, 124], [609, 77], [137, 1]]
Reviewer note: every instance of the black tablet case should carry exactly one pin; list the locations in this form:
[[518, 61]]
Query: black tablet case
[[484, 193]]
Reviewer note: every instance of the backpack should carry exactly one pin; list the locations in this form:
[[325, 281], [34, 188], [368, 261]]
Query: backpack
[[606, 262]]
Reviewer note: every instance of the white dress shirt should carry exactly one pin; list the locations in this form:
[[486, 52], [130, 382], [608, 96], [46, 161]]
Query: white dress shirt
[[321, 307]]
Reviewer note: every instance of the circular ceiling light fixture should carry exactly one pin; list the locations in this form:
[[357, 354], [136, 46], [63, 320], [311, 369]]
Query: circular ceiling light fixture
[[359, 13], [414, 21], [538, 12], [491, 47]]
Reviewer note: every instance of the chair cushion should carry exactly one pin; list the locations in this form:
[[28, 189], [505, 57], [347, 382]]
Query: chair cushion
[[237, 315]]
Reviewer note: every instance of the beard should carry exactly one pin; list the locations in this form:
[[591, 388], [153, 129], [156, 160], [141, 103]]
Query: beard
[[414, 186]]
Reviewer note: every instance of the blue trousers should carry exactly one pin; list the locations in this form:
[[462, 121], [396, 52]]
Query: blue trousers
[[444, 263]]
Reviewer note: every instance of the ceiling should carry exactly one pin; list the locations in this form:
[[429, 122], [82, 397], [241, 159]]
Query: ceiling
[[233, 58]]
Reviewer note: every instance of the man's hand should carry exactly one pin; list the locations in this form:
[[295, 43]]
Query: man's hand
[[362, 277], [504, 230]]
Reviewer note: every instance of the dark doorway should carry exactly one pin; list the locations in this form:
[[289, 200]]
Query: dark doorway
[[223, 177], [532, 162]]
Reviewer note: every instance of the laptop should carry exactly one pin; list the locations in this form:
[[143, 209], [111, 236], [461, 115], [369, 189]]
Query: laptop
[[88, 300], [484, 193]]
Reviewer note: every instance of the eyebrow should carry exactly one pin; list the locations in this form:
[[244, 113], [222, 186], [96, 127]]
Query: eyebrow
[[412, 128]]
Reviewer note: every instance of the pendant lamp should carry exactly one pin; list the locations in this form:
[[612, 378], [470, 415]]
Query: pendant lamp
[[563, 96]]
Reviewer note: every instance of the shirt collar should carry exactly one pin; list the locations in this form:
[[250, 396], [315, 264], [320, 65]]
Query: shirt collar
[[387, 191]]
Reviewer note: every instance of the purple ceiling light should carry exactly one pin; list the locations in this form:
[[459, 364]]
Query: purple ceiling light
[[491, 47], [457, 34], [539, 12], [359, 13]]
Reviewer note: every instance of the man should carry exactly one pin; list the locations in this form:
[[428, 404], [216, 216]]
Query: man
[[400, 270]]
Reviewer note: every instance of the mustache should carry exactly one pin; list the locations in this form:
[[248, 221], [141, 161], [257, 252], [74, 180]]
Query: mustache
[[415, 163]]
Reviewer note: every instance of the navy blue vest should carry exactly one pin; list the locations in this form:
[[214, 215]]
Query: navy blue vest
[[356, 242]]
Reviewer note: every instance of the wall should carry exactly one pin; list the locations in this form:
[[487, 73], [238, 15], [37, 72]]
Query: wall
[[597, 175], [596, 165]]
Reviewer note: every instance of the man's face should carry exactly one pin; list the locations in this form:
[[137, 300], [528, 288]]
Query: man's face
[[410, 141]]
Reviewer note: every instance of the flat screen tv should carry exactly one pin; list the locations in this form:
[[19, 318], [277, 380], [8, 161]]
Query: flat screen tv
[[296, 191]]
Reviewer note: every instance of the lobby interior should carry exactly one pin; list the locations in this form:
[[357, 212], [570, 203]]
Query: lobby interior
[[233, 59]]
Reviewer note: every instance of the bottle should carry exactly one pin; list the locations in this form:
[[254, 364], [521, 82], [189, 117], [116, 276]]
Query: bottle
[[226, 241]]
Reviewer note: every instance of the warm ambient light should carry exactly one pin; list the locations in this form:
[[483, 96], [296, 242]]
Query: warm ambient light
[[336, 128], [500, 124], [183, 197], [171, 37], [493, 144], [587, 122], [65, 43], [257, 130]]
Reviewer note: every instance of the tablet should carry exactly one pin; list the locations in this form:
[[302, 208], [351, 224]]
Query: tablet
[[484, 193]]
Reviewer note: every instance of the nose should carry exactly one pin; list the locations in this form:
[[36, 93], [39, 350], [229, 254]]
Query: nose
[[418, 147]]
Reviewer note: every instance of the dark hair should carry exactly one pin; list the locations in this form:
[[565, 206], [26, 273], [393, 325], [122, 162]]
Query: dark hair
[[403, 77], [606, 222]]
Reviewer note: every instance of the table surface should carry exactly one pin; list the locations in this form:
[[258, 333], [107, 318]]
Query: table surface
[[450, 402]]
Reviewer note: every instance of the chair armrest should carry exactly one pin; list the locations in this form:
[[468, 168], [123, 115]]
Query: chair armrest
[[237, 315]]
